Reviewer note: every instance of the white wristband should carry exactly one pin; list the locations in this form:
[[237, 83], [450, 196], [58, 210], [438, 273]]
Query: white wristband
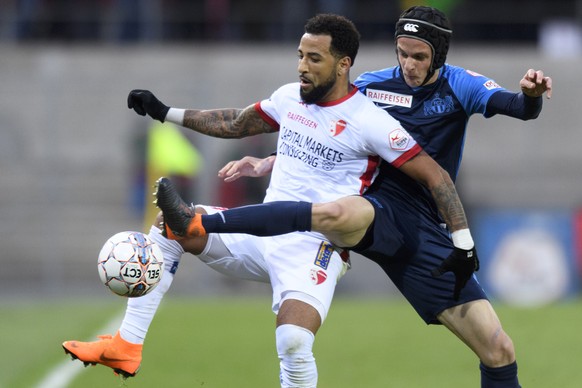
[[176, 116], [462, 239]]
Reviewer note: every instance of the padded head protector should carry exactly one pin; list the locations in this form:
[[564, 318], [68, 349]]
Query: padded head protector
[[430, 26]]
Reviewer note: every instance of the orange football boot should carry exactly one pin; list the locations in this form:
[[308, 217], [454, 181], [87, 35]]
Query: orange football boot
[[113, 352]]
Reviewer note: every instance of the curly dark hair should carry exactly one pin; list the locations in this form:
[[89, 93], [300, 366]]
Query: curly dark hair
[[345, 38]]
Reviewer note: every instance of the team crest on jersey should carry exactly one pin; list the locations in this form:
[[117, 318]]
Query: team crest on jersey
[[318, 276], [399, 139], [323, 255], [336, 127], [438, 105], [389, 98]]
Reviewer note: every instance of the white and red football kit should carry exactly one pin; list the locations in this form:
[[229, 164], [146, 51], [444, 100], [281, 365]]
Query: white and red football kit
[[324, 152]]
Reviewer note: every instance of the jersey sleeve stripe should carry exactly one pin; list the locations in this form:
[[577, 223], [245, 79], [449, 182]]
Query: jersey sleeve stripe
[[268, 119], [405, 157]]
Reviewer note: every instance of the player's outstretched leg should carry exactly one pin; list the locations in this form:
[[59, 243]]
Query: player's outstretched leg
[[116, 353], [179, 218], [267, 219]]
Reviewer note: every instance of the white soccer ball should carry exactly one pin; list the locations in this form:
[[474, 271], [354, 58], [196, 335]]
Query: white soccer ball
[[130, 264]]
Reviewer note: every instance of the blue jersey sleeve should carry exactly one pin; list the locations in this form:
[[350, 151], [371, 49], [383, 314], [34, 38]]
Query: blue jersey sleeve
[[516, 105], [473, 90]]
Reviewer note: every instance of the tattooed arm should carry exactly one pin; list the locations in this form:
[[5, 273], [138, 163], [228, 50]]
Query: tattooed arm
[[463, 260], [427, 172], [224, 123]]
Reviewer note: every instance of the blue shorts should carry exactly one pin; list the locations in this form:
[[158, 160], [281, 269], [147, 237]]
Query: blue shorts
[[408, 241]]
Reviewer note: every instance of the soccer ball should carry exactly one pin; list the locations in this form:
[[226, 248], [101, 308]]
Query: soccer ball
[[130, 264]]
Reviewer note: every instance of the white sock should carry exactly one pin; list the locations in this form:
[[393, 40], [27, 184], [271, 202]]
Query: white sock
[[295, 350], [141, 311]]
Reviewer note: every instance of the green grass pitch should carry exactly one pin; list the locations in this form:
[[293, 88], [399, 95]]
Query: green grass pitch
[[224, 343]]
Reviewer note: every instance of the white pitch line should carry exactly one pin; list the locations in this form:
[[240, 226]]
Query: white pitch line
[[62, 375]]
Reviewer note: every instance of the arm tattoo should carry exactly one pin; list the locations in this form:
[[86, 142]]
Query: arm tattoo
[[449, 205], [226, 123]]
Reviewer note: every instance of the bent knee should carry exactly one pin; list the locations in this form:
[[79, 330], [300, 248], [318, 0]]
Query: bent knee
[[294, 341], [346, 214], [327, 216], [501, 352]]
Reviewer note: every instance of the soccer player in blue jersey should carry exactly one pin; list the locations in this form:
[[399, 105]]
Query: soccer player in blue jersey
[[395, 223]]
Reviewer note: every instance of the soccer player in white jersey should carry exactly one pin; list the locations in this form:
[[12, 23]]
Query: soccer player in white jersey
[[331, 139]]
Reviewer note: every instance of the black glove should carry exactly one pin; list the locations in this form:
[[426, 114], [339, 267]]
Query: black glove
[[462, 263], [143, 101]]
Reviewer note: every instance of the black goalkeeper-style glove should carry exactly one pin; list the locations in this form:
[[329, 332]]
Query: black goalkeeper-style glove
[[462, 263], [144, 101]]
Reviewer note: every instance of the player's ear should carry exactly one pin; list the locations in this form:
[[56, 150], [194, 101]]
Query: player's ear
[[343, 66]]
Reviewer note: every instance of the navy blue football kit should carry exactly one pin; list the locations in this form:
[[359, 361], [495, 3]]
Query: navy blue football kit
[[408, 237]]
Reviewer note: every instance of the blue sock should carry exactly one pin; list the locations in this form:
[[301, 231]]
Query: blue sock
[[502, 377], [267, 219]]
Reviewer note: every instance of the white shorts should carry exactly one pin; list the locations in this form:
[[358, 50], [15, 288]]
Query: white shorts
[[237, 255], [298, 265], [304, 267]]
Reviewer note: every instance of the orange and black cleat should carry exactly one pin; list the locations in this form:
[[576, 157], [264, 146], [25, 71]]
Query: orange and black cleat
[[180, 220]]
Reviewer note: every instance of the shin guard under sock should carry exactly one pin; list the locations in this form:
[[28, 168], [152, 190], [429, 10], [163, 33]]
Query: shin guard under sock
[[268, 219]]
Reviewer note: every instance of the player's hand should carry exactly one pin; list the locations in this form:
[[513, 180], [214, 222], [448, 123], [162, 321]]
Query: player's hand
[[534, 84], [144, 101], [462, 263], [248, 166]]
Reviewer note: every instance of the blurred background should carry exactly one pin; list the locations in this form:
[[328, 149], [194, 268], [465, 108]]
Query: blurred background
[[77, 165]]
